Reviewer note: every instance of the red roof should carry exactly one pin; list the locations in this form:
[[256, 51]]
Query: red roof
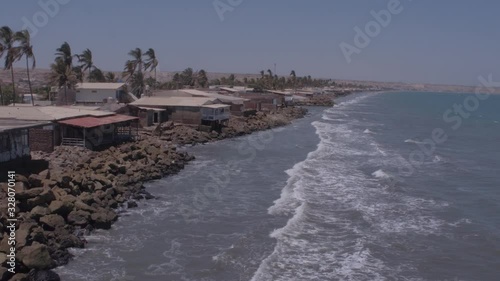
[[92, 122]]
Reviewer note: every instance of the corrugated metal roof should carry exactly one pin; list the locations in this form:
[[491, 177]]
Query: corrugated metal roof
[[92, 122], [171, 93], [217, 106], [13, 124], [223, 98], [99, 86], [152, 108], [173, 101], [279, 92], [46, 113], [236, 89]]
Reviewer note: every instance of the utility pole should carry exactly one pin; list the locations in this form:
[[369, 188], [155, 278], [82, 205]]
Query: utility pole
[[275, 69]]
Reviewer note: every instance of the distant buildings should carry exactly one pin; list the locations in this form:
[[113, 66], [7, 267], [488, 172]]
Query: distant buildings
[[186, 110]]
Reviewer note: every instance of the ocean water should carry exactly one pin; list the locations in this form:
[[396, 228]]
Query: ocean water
[[386, 186]]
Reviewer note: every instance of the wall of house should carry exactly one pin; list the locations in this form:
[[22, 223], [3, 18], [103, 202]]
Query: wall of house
[[42, 139], [94, 96], [14, 145], [185, 115], [237, 109], [267, 107], [145, 118]]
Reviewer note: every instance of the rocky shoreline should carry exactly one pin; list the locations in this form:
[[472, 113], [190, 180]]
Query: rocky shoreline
[[82, 190], [324, 100]]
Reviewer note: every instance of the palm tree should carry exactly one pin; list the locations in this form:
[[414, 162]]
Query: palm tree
[[187, 77], [97, 75], [26, 50], [62, 76], [110, 77], [151, 62], [85, 59], [133, 69], [78, 73], [7, 40], [294, 79], [134, 65], [64, 53]]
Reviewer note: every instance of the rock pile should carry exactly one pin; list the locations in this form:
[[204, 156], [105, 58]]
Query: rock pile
[[324, 100], [79, 192], [238, 126]]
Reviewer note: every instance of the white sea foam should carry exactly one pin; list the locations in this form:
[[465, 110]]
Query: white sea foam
[[330, 207], [437, 159], [413, 141], [381, 174]]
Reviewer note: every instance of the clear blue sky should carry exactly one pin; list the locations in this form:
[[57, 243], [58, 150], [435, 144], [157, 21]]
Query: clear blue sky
[[445, 41]]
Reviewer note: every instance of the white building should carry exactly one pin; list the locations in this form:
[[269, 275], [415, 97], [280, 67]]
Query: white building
[[96, 93]]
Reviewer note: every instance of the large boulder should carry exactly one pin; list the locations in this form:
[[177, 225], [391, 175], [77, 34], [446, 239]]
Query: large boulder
[[79, 205], [36, 256], [36, 180], [52, 221], [20, 277], [23, 233], [27, 194], [86, 197], [79, 218], [62, 208], [4, 273], [44, 275], [103, 219], [38, 212]]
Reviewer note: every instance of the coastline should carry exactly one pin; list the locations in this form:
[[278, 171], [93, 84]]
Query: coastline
[[82, 190]]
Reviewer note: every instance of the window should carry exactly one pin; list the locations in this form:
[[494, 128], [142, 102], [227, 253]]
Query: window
[[4, 142]]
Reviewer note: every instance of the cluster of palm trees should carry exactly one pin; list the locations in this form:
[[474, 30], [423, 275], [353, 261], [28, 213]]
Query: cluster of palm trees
[[268, 80], [65, 74], [188, 78], [13, 47], [140, 61]]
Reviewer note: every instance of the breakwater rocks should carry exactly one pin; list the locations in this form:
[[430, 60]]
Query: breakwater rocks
[[238, 126], [324, 100], [83, 190], [80, 191]]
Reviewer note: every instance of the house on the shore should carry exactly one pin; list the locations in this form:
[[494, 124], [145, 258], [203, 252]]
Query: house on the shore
[[261, 101], [92, 94], [72, 126], [234, 90], [285, 98], [186, 110], [97, 93], [14, 139], [236, 103]]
